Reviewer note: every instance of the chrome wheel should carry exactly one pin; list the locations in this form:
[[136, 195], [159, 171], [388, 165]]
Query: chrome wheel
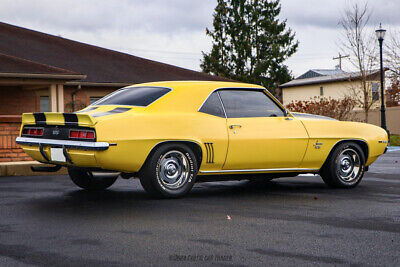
[[348, 165], [173, 169]]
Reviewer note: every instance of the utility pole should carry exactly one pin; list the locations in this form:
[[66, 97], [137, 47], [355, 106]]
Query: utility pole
[[340, 59]]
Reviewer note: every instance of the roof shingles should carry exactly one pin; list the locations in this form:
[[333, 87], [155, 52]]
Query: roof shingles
[[10, 64], [345, 76], [99, 64]]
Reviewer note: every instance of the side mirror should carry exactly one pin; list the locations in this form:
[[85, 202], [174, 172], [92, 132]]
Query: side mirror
[[285, 113]]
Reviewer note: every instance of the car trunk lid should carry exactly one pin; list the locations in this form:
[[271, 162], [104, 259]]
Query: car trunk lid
[[86, 117], [58, 118]]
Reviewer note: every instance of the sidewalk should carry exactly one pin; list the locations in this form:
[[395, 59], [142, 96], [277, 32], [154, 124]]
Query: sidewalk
[[23, 168]]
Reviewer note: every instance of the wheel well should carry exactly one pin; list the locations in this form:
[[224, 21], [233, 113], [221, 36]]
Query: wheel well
[[361, 143], [364, 147], [195, 147]]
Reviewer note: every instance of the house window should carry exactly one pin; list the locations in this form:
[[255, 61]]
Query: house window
[[44, 104], [321, 91], [375, 91], [94, 99]]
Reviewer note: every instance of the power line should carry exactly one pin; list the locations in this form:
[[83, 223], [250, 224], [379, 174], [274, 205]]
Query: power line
[[340, 57], [165, 51]]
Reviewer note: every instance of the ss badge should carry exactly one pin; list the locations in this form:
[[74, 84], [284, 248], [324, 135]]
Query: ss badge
[[56, 132], [317, 145]]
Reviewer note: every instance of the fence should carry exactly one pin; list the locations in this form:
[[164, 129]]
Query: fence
[[392, 118], [9, 130]]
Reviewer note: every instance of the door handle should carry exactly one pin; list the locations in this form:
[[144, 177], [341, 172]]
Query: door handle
[[235, 125]]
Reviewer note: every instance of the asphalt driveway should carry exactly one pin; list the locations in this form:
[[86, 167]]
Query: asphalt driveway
[[47, 221]]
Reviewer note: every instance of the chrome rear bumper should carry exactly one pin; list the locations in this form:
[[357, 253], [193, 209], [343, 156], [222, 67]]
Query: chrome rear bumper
[[100, 146]]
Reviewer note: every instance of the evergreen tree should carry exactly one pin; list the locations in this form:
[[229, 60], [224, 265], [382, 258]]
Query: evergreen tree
[[250, 43]]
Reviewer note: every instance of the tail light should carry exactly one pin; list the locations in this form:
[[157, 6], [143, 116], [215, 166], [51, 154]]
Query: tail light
[[33, 131], [81, 134]]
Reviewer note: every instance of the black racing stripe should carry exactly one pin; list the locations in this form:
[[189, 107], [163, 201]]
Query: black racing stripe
[[87, 109], [110, 112], [40, 118], [101, 114], [70, 118], [120, 110]]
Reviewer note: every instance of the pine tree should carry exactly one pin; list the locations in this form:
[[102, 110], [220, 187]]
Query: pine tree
[[250, 43]]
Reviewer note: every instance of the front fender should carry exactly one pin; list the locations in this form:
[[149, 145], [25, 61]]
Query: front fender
[[329, 133]]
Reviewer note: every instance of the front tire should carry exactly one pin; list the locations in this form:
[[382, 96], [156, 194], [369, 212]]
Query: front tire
[[345, 167], [85, 179], [170, 172]]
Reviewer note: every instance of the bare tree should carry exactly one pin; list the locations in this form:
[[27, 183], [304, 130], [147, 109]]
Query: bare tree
[[358, 42], [392, 54]]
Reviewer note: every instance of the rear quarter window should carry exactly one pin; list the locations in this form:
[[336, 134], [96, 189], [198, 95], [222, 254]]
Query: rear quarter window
[[133, 96], [213, 106]]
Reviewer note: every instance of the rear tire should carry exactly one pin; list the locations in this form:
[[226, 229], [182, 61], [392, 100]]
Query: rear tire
[[85, 180], [169, 172], [345, 167]]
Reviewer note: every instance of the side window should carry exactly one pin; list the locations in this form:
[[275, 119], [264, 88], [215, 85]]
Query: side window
[[249, 103], [213, 106]]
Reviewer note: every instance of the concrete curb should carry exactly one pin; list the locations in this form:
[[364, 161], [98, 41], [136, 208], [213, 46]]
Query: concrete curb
[[393, 148], [23, 168]]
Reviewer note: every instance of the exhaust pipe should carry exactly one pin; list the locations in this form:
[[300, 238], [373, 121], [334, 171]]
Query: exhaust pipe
[[46, 168], [99, 174]]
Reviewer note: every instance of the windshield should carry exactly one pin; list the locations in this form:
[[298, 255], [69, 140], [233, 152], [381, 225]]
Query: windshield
[[133, 96]]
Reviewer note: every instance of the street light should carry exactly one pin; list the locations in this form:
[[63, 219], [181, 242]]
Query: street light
[[380, 34]]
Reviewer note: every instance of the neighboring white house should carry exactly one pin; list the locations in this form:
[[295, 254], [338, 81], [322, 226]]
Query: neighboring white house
[[333, 83]]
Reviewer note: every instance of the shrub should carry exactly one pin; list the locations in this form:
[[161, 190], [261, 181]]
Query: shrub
[[339, 109], [394, 140]]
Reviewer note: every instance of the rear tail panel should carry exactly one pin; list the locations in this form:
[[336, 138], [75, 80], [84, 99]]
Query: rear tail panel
[[57, 127]]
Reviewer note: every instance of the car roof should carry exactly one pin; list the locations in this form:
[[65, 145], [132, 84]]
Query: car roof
[[189, 95], [199, 85]]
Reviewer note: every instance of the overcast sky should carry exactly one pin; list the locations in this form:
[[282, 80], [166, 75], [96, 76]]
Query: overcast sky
[[173, 31]]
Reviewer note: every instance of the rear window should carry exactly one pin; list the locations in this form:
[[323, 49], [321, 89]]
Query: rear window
[[133, 96]]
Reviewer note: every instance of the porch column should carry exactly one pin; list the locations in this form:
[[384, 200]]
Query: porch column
[[53, 98], [60, 98]]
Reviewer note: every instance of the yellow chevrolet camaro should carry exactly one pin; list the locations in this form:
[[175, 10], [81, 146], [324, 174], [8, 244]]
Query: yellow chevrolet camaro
[[172, 134]]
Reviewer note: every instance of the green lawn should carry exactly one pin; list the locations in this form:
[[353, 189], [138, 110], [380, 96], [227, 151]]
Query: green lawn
[[394, 140]]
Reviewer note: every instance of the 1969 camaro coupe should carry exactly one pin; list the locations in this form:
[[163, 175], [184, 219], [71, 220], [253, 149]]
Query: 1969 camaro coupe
[[172, 134]]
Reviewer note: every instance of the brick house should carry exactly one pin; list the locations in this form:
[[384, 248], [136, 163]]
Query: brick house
[[41, 72]]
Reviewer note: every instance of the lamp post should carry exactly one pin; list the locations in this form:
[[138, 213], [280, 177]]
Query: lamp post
[[380, 34]]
